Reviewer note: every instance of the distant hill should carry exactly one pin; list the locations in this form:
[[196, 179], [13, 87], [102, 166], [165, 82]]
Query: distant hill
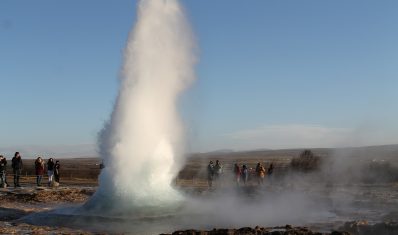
[[379, 151]]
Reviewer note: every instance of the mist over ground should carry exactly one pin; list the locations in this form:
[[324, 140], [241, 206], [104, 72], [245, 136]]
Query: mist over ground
[[337, 185], [307, 192]]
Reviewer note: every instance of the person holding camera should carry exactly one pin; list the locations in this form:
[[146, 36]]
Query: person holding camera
[[17, 166], [39, 169]]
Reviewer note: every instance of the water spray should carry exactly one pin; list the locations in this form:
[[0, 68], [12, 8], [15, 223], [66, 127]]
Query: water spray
[[142, 144]]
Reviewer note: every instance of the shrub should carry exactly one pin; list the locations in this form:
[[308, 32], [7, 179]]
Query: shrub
[[306, 161]]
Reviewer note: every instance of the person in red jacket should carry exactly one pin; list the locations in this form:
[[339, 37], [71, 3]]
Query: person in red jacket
[[39, 167]]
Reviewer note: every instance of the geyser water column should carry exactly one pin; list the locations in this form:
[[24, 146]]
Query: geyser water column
[[142, 143]]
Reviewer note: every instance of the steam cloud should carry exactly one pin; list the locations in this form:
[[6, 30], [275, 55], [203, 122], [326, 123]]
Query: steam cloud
[[142, 143]]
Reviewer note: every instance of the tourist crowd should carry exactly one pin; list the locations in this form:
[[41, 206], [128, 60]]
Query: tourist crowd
[[41, 167], [241, 173]]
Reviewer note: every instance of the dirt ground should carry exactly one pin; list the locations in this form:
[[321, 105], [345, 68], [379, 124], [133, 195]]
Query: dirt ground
[[19, 202]]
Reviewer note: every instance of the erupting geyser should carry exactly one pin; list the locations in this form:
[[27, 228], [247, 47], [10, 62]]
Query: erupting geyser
[[142, 143]]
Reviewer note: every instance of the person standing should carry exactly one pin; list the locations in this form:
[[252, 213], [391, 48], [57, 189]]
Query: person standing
[[39, 169], [237, 173], [3, 164], [210, 174], [56, 171], [270, 172], [50, 171], [17, 166], [5, 173], [260, 171], [217, 170], [245, 174]]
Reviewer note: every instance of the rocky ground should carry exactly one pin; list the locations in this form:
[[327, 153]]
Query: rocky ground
[[353, 228], [22, 228], [37, 195], [286, 230], [20, 202]]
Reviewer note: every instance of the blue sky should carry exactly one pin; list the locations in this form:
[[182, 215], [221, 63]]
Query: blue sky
[[271, 74]]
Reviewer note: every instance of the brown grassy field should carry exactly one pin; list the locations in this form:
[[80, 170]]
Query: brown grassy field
[[85, 171], [75, 171]]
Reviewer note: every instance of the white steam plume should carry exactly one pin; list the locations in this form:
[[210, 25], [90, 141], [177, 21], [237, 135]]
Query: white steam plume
[[142, 144]]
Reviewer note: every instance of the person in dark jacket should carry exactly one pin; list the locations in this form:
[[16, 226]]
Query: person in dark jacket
[[271, 169], [50, 171], [270, 172], [245, 174], [56, 171], [3, 164], [17, 166], [39, 169], [210, 174]]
